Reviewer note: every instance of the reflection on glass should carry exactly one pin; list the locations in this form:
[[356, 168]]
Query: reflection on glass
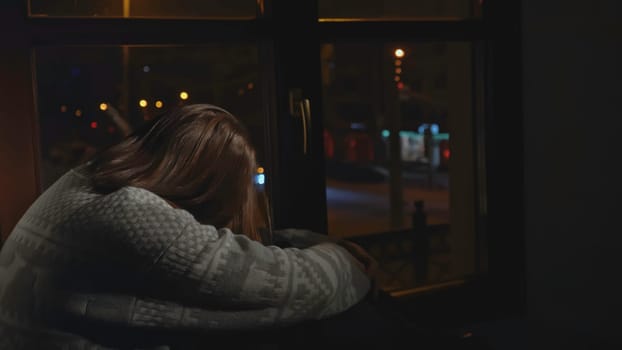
[[91, 97], [398, 155], [397, 9], [144, 8]]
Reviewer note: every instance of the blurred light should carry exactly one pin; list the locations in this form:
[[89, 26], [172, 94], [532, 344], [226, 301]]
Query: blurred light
[[433, 128], [93, 125], [446, 153], [146, 69], [63, 108], [183, 95], [329, 144], [399, 53], [398, 63], [78, 113], [400, 85], [103, 106], [240, 92], [398, 70], [357, 126], [260, 170], [142, 103], [250, 86], [111, 129], [159, 104], [260, 179], [412, 134], [396, 78]]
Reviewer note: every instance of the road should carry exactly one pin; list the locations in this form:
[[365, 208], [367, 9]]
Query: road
[[363, 208]]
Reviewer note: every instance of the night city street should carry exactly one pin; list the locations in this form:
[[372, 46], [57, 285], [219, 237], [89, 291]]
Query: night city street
[[363, 208]]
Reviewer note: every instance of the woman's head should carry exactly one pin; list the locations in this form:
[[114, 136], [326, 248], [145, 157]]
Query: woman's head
[[199, 157]]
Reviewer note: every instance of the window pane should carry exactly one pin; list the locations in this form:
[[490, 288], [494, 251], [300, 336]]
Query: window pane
[[144, 8], [90, 97], [397, 9], [397, 135]]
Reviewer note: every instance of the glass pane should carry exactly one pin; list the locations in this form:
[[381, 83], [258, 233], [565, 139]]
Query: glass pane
[[144, 8], [398, 140], [90, 97], [398, 9]]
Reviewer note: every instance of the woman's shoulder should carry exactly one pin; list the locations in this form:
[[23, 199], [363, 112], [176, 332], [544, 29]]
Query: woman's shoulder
[[78, 180], [137, 205], [124, 201], [137, 196], [132, 215]]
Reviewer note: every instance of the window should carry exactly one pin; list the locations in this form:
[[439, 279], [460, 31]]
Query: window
[[376, 105], [91, 97], [422, 92], [143, 8], [400, 9]]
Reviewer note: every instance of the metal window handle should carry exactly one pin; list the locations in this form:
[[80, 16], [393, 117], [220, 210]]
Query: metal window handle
[[305, 115], [300, 107]]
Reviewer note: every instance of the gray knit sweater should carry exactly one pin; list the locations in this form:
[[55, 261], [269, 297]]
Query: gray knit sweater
[[129, 260]]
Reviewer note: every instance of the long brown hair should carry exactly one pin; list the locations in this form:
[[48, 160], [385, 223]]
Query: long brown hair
[[198, 157]]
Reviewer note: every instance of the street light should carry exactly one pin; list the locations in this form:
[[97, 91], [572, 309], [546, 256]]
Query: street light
[[399, 54]]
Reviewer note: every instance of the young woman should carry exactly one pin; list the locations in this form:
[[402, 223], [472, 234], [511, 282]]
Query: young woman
[[158, 239]]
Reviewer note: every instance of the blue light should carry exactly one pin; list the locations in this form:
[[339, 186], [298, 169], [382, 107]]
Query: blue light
[[403, 133], [433, 128], [407, 133], [260, 179], [357, 126]]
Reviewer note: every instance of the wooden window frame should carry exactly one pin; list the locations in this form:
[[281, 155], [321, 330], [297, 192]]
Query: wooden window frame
[[497, 293]]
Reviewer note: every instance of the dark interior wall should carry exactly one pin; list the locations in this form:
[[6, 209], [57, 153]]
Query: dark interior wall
[[18, 148], [573, 135]]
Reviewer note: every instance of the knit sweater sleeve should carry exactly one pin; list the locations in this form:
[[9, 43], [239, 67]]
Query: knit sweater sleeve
[[246, 283], [300, 238]]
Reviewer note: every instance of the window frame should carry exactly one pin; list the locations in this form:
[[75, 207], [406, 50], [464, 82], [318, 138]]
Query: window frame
[[497, 293]]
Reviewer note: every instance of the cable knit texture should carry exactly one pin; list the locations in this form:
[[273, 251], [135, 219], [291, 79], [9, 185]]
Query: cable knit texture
[[79, 260]]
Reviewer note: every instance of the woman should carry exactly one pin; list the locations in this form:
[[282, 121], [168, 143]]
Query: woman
[[158, 239]]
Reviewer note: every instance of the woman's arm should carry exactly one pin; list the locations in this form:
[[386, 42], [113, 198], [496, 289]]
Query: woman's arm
[[300, 238], [219, 270]]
